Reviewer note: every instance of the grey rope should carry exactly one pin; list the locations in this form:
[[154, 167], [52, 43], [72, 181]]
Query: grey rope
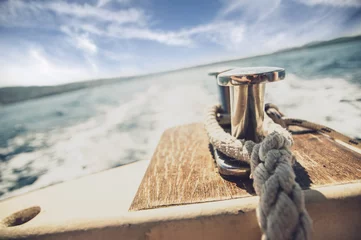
[[281, 211]]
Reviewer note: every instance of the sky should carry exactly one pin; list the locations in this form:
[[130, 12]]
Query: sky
[[56, 42]]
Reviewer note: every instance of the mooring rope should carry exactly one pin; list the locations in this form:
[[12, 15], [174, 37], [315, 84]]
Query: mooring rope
[[281, 211], [278, 117]]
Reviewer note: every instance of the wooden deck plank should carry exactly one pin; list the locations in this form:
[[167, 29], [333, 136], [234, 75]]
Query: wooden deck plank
[[182, 170]]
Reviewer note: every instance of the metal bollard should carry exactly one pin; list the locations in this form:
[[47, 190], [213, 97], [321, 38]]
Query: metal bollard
[[246, 100], [223, 90], [247, 89]]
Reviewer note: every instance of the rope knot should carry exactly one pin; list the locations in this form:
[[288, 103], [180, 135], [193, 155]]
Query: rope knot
[[281, 212], [275, 140]]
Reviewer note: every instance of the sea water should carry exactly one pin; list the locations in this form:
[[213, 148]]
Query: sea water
[[62, 137]]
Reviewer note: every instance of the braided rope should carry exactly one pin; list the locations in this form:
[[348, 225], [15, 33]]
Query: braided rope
[[281, 211]]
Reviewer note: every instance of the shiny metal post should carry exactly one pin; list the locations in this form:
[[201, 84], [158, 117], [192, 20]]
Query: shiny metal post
[[224, 96], [247, 89]]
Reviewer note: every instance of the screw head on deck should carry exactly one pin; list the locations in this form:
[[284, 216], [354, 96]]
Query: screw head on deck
[[250, 75]]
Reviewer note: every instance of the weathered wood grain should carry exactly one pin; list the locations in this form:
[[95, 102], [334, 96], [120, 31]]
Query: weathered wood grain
[[182, 170]]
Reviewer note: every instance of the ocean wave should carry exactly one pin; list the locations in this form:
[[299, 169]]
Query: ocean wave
[[329, 101], [122, 134], [128, 126]]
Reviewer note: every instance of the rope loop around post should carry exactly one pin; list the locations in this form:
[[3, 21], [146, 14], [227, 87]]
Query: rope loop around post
[[281, 211]]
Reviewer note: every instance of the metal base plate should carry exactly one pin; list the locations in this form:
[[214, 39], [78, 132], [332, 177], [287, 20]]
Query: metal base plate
[[230, 167]]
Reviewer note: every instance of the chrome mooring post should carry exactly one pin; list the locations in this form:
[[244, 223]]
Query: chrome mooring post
[[223, 91], [246, 88]]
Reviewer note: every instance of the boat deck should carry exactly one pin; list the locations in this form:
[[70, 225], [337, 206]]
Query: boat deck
[[97, 206], [182, 170]]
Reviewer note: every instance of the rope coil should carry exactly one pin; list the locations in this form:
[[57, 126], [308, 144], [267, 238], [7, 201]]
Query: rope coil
[[281, 211]]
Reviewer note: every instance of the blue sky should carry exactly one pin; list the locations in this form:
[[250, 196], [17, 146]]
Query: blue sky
[[55, 42]]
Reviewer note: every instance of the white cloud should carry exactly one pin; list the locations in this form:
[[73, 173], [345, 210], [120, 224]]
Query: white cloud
[[254, 10], [102, 3], [80, 20], [20, 12], [130, 15], [34, 67], [169, 38], [123, 24], [81, 41], [240, 28], [336, 3], [120, 57], [237, 35], [228, 34]]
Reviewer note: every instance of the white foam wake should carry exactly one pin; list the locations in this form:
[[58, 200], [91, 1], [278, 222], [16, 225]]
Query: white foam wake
[[335, 103], [120, 135], [131, 130]]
